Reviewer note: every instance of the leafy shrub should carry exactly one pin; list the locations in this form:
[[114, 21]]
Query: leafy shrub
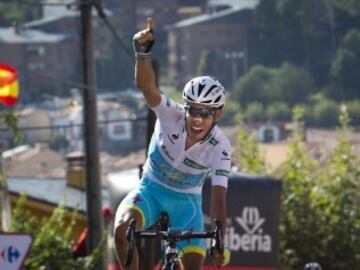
[[320, 213], [320, 218], [278, 111], [52, 243], [247, 154], [254, 112]]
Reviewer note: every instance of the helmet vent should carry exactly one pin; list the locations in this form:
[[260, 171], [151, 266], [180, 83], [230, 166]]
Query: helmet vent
[[201, 88], [190, 98], [217, 100], [211, 88]]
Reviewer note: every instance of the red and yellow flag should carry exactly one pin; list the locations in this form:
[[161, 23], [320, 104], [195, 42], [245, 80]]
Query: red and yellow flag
[[9, 86]]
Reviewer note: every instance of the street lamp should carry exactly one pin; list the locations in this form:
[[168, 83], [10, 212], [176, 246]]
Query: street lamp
[[234, 57]]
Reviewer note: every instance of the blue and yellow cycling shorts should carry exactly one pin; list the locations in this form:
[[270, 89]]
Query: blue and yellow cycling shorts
[[184, 210]]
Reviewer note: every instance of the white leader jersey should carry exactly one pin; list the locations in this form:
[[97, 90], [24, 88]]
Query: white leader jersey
[[171, 166]]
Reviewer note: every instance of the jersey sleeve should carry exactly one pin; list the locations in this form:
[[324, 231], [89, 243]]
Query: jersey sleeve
[[221, 163], [168, 110]]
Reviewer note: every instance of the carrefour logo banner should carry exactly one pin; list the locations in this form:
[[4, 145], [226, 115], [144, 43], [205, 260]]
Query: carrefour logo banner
[[13, 250], [252, 226]]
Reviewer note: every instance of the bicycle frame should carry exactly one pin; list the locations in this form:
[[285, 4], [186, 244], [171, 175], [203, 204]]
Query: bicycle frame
[[169, 240]]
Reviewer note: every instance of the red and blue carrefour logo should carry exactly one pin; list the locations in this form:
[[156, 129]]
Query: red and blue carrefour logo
[[10, 254]]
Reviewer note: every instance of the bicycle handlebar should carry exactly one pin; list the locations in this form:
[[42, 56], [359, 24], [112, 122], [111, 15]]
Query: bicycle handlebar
[[132, 235]]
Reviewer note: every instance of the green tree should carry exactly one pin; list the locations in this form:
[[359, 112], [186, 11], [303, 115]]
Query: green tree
[[247, 154], [255, 112], [264, 38], [289, 84], [354, 112], [231, 109], [256, 85], [302, 32], [325, 113], [294, 84], [345, 69], [278, 111]]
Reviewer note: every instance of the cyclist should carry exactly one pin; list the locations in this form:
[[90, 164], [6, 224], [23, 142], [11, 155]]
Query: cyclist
[[186, 146]]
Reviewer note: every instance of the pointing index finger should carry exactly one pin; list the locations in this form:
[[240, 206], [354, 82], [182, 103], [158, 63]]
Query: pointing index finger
[[150, 24]]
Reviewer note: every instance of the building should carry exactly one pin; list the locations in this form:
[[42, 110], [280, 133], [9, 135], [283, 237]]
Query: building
[[220, 39], [47, 52], [39, 57], [121, 129], [38, 160], [45, 194]]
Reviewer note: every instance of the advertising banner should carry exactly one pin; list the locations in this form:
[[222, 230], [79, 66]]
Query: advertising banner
[[252, 224], [13, 250]]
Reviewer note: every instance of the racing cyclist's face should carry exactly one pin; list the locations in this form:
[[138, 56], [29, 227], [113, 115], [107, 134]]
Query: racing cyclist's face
[[199, 120]]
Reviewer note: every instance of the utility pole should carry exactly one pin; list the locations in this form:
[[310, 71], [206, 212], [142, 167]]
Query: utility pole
[[5, 207], [90, 130]]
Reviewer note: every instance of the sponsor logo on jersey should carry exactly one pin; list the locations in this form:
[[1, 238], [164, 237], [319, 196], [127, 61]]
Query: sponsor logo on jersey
[[206, 137], [166, 152], [213, 141], [173, 137], [193, 164], [225, 155], [136, 199], [222, 172]]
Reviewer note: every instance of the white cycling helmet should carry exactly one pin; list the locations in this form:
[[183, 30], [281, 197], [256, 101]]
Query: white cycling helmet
[[312, 266], [205, 90]]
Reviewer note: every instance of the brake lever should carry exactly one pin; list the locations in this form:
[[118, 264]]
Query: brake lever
[[130, 236], [217, 242]]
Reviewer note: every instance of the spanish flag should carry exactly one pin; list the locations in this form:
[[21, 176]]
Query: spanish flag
[[9, 86]]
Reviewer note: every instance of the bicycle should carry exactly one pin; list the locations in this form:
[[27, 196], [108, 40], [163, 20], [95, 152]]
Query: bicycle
[[171, 260]]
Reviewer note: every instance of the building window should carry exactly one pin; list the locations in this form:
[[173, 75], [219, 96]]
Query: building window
[[35, 50], [36, 66], [119, 129]]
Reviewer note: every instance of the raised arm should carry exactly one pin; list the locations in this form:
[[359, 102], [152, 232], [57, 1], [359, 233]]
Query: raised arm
[[144, 72]]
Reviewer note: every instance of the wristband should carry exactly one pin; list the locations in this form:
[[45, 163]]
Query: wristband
[[142, 56]]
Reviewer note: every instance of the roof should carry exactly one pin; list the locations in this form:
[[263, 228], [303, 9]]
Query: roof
[[234, 3], [207, 17], [52, 190], [9, 35], [52, 14], [38, 160], [55, 13]]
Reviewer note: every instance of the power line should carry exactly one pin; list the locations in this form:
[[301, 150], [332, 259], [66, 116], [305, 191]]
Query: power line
[[47, 3], [112, 29], [76, 125]]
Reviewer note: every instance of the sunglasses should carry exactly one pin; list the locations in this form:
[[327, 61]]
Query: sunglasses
[[203, 113]]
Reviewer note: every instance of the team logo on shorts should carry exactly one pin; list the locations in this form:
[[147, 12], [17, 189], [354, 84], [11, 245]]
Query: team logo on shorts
[[136, 199]]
